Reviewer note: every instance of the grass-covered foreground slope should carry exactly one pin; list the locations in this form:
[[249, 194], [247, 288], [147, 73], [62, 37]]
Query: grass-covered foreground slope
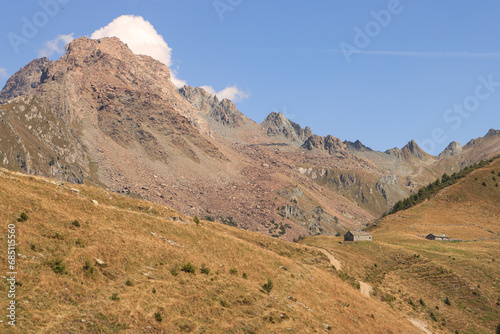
[[128, 266], [453, 287]]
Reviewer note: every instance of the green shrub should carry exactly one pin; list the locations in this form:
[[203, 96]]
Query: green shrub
[[129, 283], [158, 317], [115, 297], [154, 290], [268, 286], [433, 316], [233, 271], [23, 217], [447, 301], [421, 301], [245, 276], [76, 223], [188, 268], [484, 183], [196, 220], [204, 269], [58, 266]]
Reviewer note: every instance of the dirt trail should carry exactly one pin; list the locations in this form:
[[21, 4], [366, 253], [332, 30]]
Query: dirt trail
[[420, 325], [333, 260], [365, 288]]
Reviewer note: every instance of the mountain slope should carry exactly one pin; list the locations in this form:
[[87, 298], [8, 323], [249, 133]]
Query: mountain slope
[[451, 286], [91, 261], [102, 115]]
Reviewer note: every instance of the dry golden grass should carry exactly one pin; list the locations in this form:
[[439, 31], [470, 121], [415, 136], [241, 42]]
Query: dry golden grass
[[405, 267], [144, 250]]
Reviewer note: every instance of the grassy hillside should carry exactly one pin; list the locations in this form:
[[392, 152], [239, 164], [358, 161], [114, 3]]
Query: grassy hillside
[[119, 265], [454, 287]]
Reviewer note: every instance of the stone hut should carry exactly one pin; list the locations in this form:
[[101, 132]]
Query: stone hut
[[438, 237], [357, 236]]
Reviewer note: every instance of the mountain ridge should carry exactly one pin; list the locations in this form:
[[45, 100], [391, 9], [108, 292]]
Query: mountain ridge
[[105, 116]]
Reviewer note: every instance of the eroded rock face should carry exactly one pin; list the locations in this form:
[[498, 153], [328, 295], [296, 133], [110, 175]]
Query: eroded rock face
[[25, 81], [223, 112], [412, 149], [276, 124], [452, 150], [329, 144]]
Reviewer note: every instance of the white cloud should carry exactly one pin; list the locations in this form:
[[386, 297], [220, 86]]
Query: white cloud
[[56, 45], [142, 38], [232, 93], [3, 73]]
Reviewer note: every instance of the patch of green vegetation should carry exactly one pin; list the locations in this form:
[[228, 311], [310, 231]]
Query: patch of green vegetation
[[23, 217], [58, 266], [188, 268], [204, 269], [432, 188], [268, 286]]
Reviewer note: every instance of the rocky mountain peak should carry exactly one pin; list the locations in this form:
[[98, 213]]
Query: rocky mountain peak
[[223, 112], [276, 124], [492, 133], [83, 47], [412, 149], [357, 146], [452, 150], [25, 81]]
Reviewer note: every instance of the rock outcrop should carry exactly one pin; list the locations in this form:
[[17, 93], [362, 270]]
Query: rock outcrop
[[452, 150], [329, 144], [25, 81], [276, 124]]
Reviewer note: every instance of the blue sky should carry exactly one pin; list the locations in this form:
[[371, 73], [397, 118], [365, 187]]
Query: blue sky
[[424, 70]]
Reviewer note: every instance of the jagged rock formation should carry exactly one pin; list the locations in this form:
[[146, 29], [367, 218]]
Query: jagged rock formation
[[330, 144], [223, 112], [356, 146], [413, 150], [25, 81], [276, 124], [452, 150]]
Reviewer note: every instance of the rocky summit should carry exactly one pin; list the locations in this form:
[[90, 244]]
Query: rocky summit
[[104, 116]]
